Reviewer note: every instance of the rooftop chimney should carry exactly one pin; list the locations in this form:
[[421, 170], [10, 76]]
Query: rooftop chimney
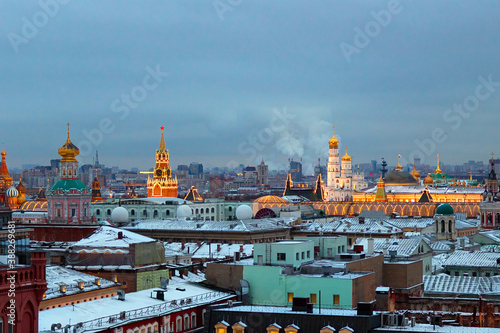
[[371, 246], [120, 235]]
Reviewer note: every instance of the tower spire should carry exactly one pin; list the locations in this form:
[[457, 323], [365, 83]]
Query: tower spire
[[438, 170], [399, 167], [162, 140]]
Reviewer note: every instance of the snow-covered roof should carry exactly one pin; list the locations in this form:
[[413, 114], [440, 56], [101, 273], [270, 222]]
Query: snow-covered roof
[[446, 284], [410, 223], [473, 259], [439, 246], [58, 275], [103, 313], [466, 224], [203, 250], [154, 200], [494, 235], [438, 260], [227, 226], [403, 247], [438, 329], [108, 237], [284, 309], [351, 225]]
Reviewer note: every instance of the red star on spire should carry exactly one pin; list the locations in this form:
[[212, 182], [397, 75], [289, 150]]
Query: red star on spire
[[162, 128]]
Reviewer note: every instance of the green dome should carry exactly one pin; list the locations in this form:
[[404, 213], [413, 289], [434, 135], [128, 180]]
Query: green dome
[[445, 209]]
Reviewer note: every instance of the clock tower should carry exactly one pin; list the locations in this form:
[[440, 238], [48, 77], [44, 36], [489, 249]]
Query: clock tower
[[161, 184]]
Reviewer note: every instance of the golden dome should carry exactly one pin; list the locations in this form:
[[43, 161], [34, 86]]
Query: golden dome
[[68, 151], [428, 180], [271, 199], [415, 173], [346, 157], [333, 142]]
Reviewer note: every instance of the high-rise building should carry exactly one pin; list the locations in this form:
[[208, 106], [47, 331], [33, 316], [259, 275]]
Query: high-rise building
[[161, 184], [262, 174], [196, 170], [296, 171]]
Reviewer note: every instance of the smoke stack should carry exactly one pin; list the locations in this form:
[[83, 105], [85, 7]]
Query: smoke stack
[[120, 235]]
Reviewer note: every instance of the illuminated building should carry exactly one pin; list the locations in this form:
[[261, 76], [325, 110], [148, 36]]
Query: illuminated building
[[68, 200], [304, 190], [490, 207], [402, 186], [161, 184], [341, 183], [6, 184]]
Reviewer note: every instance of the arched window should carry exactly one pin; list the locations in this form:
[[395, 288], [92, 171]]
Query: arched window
[[193, 320], [186, 322], [202, 211], [178, 324], [98, 212], [108, 212], [213, 210], [449, 226], [230, 209], [145, 212], [443, 229], [132, 212], [167, 212], [155, 213], [197, 211]]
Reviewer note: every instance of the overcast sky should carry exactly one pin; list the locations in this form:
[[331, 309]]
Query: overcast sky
[[235, 81]]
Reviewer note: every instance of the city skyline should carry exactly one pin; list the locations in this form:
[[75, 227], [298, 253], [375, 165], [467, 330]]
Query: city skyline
[[234, 82]]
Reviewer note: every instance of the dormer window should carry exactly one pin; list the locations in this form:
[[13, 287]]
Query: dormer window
[[239, 327], [221, 327], [274, 328]]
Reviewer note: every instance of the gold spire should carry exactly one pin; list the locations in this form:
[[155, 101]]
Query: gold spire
[[438, 170], [333, 142], [68, 151], [399, 167], [346, 157], [162, 140]]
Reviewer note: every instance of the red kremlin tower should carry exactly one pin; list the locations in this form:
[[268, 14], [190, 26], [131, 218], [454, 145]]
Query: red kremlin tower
[[162, 184]]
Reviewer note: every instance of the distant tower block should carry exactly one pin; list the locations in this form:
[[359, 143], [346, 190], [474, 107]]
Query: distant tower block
[[161, 184]]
